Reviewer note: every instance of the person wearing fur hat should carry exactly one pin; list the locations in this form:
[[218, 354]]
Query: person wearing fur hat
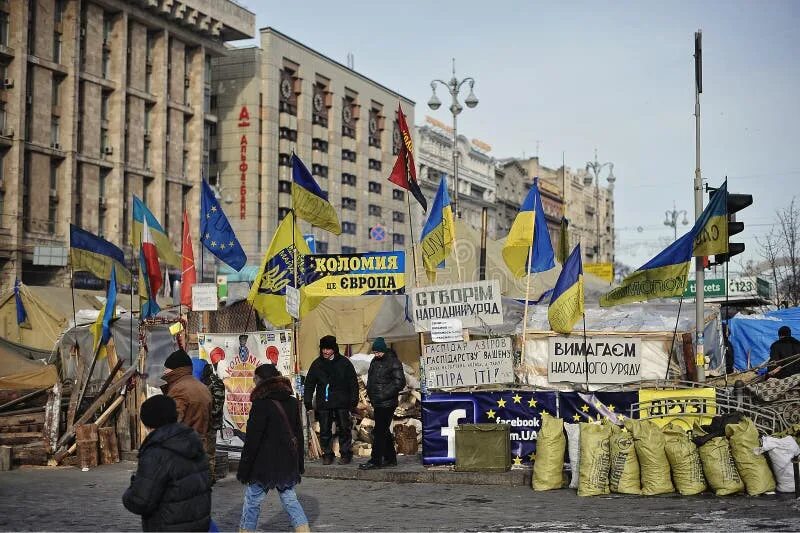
[[332, 377], [385, 380], [272, 456], [171, 489], [191, 397]]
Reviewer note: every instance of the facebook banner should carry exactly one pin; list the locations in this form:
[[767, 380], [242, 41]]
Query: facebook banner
[[615, 407], [442, 412]]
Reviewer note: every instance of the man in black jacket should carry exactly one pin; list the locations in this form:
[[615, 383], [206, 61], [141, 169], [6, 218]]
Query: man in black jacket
[[334, 380], [782, 349], [171, 488], [384, 382]]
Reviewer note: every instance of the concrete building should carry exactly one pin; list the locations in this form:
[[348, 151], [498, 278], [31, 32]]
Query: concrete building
[[101, 100], [560, 188], [287, 97], [476, 168]]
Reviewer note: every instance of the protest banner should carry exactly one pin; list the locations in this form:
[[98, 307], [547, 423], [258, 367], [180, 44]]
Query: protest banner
[[476, 303], [237, 356], [355, 274], [609, 359], [683, 407], [522, 410], [459, 364]]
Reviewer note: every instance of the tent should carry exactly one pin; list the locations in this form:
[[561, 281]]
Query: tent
[[752, 335], [19, 373]]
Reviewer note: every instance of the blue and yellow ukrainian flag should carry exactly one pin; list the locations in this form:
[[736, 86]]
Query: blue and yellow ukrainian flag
[[711, 229], [664, 276], [90, 253], [268, 292], [101, 329], [165, 250], [439, 232], [529, 235], [310, 202], [566, 304]]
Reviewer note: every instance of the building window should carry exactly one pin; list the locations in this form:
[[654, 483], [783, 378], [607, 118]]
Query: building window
[[147, 113], [187, 68], [101, 201], [54, 133], [375, 127], [2, 118], [287, 133], [319, 170], [78, 197], [56, 47], [146, 155], [55, 96], [106, 62], [348, 250], [398, 238], [348, 155], [3, 222], [349, 228], [398, 216], [26, 192], [3, 28], [284, 160], [148, 71], [374, 186], [285, 186], [375, 164], [282, 212], [289, 88], [349, 117], [374, 210], [58, 11], [319, 144], [348, 203], [32, 4], [53, 204], [348, 179], [29, 103], [322, 247], [126, 193], [319, 105], [397, 194]]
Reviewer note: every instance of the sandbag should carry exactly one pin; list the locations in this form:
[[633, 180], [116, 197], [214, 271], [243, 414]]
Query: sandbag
[[752, 467], [623, 476], [718, 465], [595, 459], [649, 443], [548, 468], [684, 461], [781, 452], [574, 449]]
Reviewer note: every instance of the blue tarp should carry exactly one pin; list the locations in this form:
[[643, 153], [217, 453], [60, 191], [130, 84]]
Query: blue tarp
[[756, 333]]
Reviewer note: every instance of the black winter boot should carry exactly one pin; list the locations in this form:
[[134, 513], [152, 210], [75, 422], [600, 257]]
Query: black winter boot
[[327, 459]]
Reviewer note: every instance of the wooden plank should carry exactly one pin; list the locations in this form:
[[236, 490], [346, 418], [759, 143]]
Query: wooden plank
[[23, 419], [5, 458], [20, 438], [28, 454], [109, 452], [22, 399], [73, 396], [64, 452], [52, 417], [100, 400], [86, 438], [123, 428]]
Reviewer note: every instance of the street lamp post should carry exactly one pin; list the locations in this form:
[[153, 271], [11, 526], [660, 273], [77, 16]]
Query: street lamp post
[[595, 167], [453, 87], [672, 220]]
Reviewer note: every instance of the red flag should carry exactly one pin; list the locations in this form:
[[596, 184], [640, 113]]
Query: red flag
[[150, 254], [404, 173], [188, 272]]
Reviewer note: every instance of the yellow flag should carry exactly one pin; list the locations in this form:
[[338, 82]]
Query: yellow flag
[[268, 293]]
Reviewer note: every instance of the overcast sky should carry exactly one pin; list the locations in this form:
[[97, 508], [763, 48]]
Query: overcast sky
[[575, 76]]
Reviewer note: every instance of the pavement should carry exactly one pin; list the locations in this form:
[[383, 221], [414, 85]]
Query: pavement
[[67, 499]]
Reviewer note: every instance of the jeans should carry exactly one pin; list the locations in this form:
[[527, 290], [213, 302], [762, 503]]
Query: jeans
[[254, 494], [326, 419], [382, 441]]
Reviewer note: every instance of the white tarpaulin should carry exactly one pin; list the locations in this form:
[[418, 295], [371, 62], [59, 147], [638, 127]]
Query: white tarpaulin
[[574, 359]]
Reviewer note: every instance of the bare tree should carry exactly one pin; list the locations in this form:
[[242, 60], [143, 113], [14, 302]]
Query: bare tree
[[769, 249], [789, 220]]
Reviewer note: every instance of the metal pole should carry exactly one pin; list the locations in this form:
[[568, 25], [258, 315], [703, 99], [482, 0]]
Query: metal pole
[[698, 209], [456, 203], [597, 213], [484, 231]]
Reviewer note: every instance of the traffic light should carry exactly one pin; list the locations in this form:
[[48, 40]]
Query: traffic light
[[734, 204]]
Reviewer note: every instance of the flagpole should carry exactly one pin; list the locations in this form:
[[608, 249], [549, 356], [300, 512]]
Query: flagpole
[[674, 335], [413, 242], [585, 354], [527, 290], [72, 290], [296, 363]]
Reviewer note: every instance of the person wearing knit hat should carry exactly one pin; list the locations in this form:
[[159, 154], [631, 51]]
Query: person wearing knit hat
[[385, 380], [171, 489], [191, 397], [331, 390]]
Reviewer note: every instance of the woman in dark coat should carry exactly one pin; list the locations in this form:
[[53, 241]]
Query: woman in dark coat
[[171, 488], [272, 457]]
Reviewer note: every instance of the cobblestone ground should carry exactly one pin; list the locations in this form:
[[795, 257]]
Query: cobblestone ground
[[66, 499]]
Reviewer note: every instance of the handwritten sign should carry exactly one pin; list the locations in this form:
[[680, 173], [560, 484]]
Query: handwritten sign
[[204, 297], [607, 359], [293, 301], [476, 304], [462, 364], [683, 407]]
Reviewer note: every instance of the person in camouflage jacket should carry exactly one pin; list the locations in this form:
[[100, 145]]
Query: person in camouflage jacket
[[217, 389]]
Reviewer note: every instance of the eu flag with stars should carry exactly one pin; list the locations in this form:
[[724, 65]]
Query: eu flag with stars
[[216, 233]]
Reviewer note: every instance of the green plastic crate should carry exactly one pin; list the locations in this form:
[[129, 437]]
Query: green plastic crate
[[483, 448]]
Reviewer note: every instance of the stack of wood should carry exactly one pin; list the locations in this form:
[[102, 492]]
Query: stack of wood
[[27, 419]]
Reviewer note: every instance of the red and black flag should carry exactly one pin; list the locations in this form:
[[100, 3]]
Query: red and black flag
[[404, 173]]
